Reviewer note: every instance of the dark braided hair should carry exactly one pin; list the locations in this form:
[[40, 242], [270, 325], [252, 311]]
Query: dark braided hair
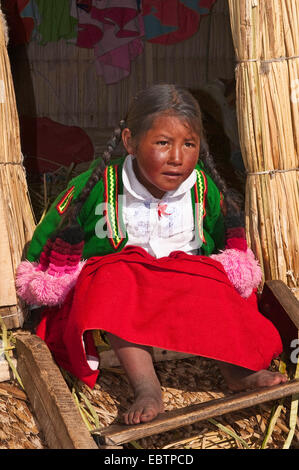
[[144, 108]]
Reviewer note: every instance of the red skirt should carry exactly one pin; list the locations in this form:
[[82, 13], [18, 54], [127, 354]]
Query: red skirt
[[180, 302]]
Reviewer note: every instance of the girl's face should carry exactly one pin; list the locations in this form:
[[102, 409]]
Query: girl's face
[[165, 155]]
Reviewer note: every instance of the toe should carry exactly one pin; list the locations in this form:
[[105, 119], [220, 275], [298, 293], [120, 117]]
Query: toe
[[281, 378], [125, 418], [137, 417], [147, 415]]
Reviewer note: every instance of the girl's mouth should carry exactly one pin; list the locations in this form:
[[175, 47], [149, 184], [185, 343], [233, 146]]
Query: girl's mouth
[[172, 174]]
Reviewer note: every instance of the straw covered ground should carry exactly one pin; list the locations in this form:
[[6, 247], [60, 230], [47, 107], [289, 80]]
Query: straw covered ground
[[184, 382], [187, 382], [18, 426]]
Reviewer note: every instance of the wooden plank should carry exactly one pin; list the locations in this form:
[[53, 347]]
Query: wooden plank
[[119, 434], [50, 397]]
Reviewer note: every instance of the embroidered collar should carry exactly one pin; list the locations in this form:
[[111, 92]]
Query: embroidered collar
[[116, 228]]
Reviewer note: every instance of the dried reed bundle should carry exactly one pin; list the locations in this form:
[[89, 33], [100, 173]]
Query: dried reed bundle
[[266, 40], [16, 218]]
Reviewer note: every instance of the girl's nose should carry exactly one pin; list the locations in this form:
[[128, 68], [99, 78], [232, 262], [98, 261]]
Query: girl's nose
[[175, 156]]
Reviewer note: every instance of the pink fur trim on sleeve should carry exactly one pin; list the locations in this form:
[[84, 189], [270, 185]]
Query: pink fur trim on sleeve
[[242, 269], [38, 287]]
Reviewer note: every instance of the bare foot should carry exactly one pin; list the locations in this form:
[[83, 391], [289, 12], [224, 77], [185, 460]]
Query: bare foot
[[147, 405], [238, 378], [137, 361]]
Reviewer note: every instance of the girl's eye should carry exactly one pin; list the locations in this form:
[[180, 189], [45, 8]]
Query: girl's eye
[[190, 144]]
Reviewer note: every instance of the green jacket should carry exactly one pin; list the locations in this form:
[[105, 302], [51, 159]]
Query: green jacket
[[206, 200]]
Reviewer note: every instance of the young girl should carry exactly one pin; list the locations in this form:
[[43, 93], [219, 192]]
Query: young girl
[[148, 226]]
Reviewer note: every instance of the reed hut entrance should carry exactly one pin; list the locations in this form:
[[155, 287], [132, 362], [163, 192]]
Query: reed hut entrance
[[240, 59], [61, 95], [62, 91]]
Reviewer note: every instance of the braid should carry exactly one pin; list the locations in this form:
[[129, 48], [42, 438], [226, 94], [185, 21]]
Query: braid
[[69, 224], [233, 200]]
